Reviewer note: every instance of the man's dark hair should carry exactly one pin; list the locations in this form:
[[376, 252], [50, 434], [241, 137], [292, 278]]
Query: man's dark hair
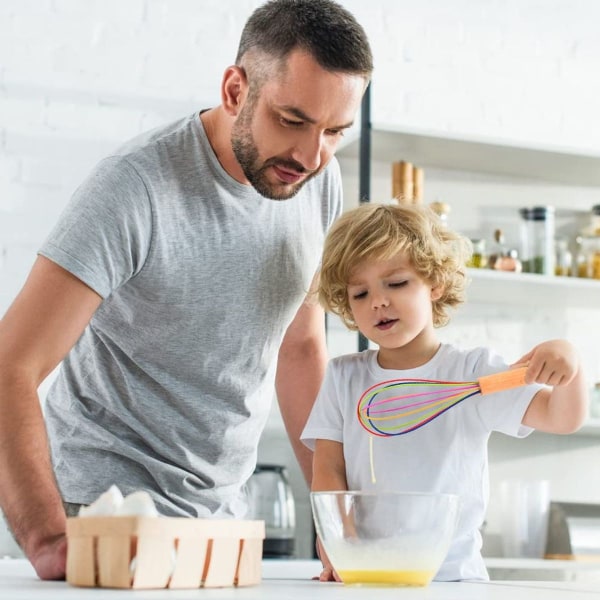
[[323, 28]]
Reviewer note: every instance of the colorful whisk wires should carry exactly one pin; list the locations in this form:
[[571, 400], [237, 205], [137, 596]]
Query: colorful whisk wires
[[382, 412]]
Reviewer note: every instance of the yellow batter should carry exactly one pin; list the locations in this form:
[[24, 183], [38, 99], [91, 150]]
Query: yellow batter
[[387, 577]]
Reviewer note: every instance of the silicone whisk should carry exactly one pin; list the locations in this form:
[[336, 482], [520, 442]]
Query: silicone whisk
[[399, 406]]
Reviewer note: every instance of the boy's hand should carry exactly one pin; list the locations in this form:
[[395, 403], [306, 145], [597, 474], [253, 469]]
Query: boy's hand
[[328, 573], [552, 363]]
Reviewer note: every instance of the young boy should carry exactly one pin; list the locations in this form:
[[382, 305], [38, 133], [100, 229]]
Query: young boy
[[392, 272]]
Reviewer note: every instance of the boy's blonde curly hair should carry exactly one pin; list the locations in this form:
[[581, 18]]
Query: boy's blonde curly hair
[[382, 231]]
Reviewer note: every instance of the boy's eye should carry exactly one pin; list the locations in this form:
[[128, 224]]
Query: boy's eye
[[398, 283], [359, 295]]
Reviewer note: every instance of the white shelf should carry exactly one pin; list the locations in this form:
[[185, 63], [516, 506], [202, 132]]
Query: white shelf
[[569, 166], [489, 286]]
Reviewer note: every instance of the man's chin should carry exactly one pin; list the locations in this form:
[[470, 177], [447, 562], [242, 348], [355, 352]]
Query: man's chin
[[280, 192]]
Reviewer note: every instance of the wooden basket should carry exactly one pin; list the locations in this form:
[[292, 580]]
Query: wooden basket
[[163, 552]]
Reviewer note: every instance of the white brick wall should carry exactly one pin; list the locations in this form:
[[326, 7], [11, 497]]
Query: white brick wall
[[78, 78]]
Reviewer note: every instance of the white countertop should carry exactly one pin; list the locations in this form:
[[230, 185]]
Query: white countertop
[[289, 579]]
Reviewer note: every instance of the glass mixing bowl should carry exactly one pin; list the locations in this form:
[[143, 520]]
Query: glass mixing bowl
[[389, 538]]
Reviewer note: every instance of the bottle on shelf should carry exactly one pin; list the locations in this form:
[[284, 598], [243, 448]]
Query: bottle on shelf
[[580, 262], [503, 259], [478, 257], [537, 239], [509, 262], [564, 259], [441, 209], [595, 401], [589, 244]]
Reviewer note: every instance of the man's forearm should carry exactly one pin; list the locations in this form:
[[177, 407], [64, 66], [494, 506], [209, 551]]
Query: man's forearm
[[298, 381], [28, 493]]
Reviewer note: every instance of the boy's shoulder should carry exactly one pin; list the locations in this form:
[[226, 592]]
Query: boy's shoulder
[[352, 360], [476, 360]]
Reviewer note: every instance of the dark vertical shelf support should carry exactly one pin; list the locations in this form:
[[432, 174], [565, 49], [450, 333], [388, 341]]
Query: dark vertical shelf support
[[364, 170], [364, 157]]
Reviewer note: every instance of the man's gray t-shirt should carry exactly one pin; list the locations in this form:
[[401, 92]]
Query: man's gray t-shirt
[[170, 385]]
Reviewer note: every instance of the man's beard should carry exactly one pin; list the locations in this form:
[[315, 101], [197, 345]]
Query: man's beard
[[246, 153]]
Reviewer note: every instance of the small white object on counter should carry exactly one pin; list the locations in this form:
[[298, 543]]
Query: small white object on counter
[[112, 503]]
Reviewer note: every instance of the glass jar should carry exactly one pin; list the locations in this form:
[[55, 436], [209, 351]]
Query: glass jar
[[441, 209], [509, 261], [564, 258], [537, 239], [478, 257], [588, 257], [580, 264], [593, 257], [595, 220], [595, 401], [589, 242]]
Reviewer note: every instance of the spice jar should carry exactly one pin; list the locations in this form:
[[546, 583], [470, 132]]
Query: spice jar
[[589, 242], [441, 209], [509, 261], [564, 258], [478, 257], [595, 401], [537, 239]]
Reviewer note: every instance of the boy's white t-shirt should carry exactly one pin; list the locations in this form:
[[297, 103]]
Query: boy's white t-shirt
[[448, 455]]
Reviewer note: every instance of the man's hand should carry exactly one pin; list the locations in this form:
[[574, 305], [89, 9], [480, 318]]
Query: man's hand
[[50, 560]]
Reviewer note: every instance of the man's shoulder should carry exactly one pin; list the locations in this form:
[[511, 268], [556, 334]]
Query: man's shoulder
[[152, 136]]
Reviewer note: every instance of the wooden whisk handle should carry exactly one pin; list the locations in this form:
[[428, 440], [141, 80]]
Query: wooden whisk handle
[[505, 380]]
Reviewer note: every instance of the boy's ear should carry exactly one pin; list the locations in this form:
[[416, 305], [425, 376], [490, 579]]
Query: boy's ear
[[234, 90], [436, 292]]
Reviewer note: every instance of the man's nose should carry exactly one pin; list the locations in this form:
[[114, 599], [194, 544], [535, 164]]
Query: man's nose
[[308, 151]]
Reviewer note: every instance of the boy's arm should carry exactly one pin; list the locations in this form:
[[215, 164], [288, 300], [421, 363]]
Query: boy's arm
[[329, 467], [563, 408], [329, 474]]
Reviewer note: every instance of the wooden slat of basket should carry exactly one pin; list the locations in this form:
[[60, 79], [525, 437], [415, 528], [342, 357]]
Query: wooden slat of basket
[[223, 561], [249, 571], [191, 556], [114, 556], [81, 565], [154, 562]]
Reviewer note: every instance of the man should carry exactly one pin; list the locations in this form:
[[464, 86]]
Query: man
[[172, 289]]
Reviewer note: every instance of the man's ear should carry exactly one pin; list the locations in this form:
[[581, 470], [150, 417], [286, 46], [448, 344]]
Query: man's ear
[[234, 90]]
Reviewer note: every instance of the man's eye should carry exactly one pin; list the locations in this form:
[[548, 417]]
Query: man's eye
[[290, 122], [335, 132]]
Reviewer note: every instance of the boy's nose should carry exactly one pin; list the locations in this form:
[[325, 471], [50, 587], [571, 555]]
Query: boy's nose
[[379, 300]]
